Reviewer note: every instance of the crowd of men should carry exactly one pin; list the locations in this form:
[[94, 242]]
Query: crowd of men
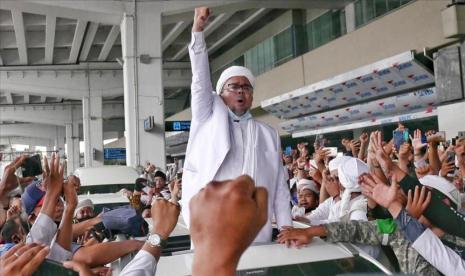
[[384, 196]]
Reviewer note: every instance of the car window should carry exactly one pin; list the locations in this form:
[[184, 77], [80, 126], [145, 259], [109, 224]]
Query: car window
[[348, 265]]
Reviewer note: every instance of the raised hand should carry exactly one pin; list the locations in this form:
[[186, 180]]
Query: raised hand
[[53, 183], [404, 152], [164, 217], [380, 192], [416, 141], [447, 167], [364, 138], [423, 171], [200, 19], [418, 202], [321, 154], [9, 180], [221, 244], [69, 190], [381, 155]]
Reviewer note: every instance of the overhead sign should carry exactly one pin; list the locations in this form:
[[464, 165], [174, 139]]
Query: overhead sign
[[114, 154], [381, 79], [404, 103], [177, 125], [369, 123]]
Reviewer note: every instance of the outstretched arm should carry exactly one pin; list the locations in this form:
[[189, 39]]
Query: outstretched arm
[[201, 87]]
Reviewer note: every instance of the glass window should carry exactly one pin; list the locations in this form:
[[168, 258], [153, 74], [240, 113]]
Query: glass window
[[380, 7], [367, 10], [355, 265], [393, 4], [283, 46]]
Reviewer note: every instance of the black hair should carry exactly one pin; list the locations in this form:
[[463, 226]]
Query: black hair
[[9, 229]]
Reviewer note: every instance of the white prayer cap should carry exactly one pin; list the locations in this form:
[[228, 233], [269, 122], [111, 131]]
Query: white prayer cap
[[334, 164], [234, 71], [442, 185], [307, 184], [348, 172], [82, 204]]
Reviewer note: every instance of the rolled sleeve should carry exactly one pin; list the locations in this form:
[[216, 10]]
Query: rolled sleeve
[[42, 231], [411, 228], [143, 264], [58, 253]]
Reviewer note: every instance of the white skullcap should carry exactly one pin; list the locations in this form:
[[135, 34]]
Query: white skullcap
[[348, 172], [234, 71], [442, 185], [307, 184], [82, 204], [334, 164]]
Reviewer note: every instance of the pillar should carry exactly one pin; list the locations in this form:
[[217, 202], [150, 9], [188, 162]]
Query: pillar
[[93, 131], [72, 147], [451, 119], [143, 87], [350, 17]]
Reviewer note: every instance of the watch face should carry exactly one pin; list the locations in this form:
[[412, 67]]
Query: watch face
[[154, 239]]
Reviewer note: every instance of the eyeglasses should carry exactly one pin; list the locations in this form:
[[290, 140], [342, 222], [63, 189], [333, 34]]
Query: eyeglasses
[[235, 88]]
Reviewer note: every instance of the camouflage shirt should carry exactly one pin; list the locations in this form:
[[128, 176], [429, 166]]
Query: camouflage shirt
[[366, 232]]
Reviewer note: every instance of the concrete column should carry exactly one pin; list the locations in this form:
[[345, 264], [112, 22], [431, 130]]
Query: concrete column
[[143, 87], [72, 147], [451, 119], [60, 145], [350, 17], [93, 131]]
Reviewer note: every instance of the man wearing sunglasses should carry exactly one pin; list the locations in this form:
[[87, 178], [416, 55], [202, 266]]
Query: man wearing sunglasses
[[225, 141]]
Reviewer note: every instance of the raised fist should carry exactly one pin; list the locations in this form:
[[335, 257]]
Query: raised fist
[[200, 19]]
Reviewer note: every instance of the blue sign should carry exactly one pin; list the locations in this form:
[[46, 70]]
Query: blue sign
[[177, 125], [114, 154]]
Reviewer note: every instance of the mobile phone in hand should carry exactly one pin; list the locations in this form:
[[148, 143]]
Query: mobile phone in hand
[[398, 137], [32, 166], [332, 151]]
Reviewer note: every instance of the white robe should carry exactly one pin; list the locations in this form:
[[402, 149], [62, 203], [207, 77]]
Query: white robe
[[210, 149]]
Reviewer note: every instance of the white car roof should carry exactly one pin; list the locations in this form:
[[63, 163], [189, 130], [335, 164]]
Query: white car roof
[[106, 175], [263, 255], [106, 198]]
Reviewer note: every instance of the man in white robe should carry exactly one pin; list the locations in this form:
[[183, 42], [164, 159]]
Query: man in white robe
[[225, 141]]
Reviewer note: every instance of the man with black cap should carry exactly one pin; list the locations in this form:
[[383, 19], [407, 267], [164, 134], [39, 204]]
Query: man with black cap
[[225, 141], [149, 189]]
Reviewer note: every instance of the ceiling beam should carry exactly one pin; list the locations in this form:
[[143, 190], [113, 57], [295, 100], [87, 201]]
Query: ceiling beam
[[246, 23], [50, 24], [211, 27], [174, 33], [20, 34], [77, 40], [52, 8], [90, 36], [109, 42]]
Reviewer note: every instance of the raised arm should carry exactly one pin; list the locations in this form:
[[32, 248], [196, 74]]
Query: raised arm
[[201, 87]]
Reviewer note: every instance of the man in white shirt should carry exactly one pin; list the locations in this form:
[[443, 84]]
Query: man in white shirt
[[225, 141]]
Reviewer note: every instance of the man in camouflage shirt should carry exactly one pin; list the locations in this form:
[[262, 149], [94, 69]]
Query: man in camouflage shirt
[[368, 232]]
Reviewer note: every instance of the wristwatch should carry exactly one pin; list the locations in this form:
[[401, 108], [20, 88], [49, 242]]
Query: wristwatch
[[155, 240]]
